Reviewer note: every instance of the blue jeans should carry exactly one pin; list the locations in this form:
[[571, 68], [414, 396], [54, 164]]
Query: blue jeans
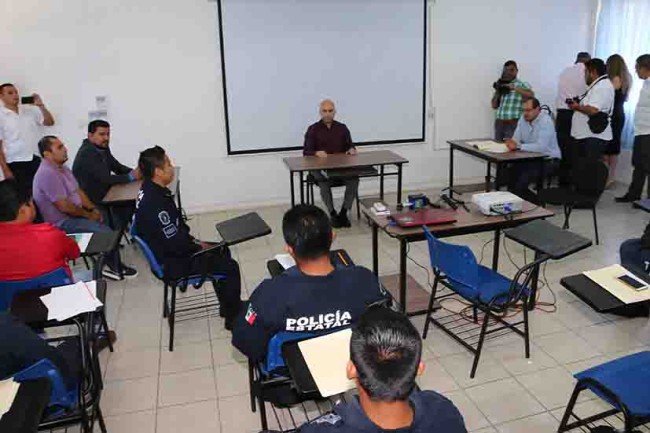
[[632, 255], [84, 225]]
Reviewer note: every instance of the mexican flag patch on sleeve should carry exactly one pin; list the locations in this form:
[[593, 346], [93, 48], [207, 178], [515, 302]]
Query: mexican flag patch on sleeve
[[251, 315]]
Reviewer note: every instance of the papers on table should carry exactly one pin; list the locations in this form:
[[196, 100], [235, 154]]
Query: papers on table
[[8, 391], [607, 278], [82, 240], [285, 260], [68, 301], [489, 146], [327, 358]]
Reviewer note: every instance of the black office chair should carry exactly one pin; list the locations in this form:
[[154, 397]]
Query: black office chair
[[334, 183], [587, 185]]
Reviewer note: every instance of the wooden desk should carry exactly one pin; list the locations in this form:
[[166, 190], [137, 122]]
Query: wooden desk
[[498, 159], [467, 222], [378, 158], [128, 192]]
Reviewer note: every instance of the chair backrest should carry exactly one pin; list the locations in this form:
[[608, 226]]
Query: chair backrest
[[156, 268], [60, 397], [8, 289], [590, 178], [274, 359], [456, 262]]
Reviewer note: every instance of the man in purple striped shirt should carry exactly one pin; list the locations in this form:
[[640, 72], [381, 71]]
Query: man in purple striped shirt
[[326, 137]]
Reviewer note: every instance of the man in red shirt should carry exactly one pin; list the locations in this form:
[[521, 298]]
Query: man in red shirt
[[29, 250]]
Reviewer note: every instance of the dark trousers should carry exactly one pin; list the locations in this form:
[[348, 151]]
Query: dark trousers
[[120, 215], [563, 131], [521, 175], [585, 150], [633, 255], [504, 129], [641, 163], [220, 261], [24, 173]]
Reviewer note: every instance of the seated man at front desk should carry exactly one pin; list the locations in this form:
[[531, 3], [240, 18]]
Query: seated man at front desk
[[535, 133], [325, 137], [314, 296]]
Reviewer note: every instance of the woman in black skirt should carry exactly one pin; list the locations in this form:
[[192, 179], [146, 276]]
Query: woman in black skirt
[[621, 80]]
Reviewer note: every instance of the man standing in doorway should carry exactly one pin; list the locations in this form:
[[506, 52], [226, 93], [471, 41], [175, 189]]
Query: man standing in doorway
[[641, 150], [326, 137], [20, 129], [507, 100], [571, 84]]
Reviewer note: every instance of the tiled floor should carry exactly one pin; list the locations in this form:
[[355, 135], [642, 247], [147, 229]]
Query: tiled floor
[[202, 386]]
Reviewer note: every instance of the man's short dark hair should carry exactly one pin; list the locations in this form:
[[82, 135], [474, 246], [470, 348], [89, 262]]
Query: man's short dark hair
[[510, 63], [151, 159], [534, 100], [92, 126], [644, 61], [385, 348], [45, 144], [11, 199], [596, 65], [308, 231], [4, 86], [583, 57]]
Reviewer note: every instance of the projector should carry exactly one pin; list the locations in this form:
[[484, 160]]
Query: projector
[[498, 203]]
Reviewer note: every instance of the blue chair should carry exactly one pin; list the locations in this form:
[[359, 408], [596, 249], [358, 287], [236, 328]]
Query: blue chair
[[455, 267], [623, 383], [8, 289], [188, 306], [61, 398]]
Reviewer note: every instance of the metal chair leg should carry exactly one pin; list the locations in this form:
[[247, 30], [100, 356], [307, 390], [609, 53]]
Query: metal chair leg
[[358, 206], [105, 326], [593, 210], [526, 331], [479, 347], [165, 309], [172, 317], [569, 409], [427, 319], [567, 215], [251, 384]]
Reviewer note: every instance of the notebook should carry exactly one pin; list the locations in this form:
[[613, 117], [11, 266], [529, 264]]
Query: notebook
[[489, 146], [327, 359]]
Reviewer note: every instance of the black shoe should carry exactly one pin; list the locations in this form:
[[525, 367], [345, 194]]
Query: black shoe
[[114, 274], [626, 199], [344, 221], [336, 220]]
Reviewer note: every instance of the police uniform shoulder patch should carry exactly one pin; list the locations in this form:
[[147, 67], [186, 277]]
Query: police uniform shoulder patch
[[329, 418], [164, 218]]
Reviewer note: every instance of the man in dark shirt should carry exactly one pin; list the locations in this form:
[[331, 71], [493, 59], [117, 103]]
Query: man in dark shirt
[[313, 296], [159, 223], [323, 138], [385, 352], [96, 170]]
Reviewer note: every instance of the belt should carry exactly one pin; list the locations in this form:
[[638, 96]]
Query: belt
[[508, 120]]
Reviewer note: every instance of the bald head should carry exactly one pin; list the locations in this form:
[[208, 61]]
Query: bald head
[[327, 111]]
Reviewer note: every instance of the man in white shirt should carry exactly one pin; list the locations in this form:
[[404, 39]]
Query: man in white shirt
[[571, 84], [641, 150], [535, 133], [590, 114], [20, 130]]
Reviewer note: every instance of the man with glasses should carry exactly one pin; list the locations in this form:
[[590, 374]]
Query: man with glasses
[[535, 133]]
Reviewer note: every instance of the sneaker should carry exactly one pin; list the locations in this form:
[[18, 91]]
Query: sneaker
[[344, 221], [129, 272], [336, 221], [113, 274], [625, 199]]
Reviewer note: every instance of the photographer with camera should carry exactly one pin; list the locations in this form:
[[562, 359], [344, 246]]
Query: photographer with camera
[[590, 126], [508, 98]]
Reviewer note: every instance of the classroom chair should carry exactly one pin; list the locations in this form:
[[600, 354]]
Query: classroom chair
[[486, 291], [624, 384], [587, 185], [190, 307]]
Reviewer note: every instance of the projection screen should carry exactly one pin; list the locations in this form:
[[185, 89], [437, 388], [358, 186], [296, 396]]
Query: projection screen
[[281, 57]]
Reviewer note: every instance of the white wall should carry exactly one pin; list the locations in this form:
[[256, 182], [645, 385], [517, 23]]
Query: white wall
[[158, 61]]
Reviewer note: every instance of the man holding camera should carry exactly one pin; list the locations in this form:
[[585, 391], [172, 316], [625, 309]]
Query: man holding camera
[[20, 129], [590, 126], [508, 98]]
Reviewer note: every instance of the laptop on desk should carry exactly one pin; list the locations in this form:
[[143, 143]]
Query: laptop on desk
[[424, 217]]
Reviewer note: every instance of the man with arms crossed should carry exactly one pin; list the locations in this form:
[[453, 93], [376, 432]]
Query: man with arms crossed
[[385, 358], [313, 296], [20, 130], [327, 136]]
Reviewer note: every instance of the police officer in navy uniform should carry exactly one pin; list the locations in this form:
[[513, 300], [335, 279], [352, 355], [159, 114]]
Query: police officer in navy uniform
[[314, 296], [159, 223], [385, 352]]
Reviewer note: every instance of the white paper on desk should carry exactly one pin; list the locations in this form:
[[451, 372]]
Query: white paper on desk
[[607, 278], [489, 146], [82, 240], [68, 301], [8, 391], [285, 260], [327, 358]]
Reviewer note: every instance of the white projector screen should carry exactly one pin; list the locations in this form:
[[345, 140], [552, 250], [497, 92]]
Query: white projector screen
[[280, 58]]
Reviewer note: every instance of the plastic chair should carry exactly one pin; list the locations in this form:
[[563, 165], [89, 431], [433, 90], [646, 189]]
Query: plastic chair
[[188, 305], [587, 185], [8, 289], [623, 383], [456, 268]]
